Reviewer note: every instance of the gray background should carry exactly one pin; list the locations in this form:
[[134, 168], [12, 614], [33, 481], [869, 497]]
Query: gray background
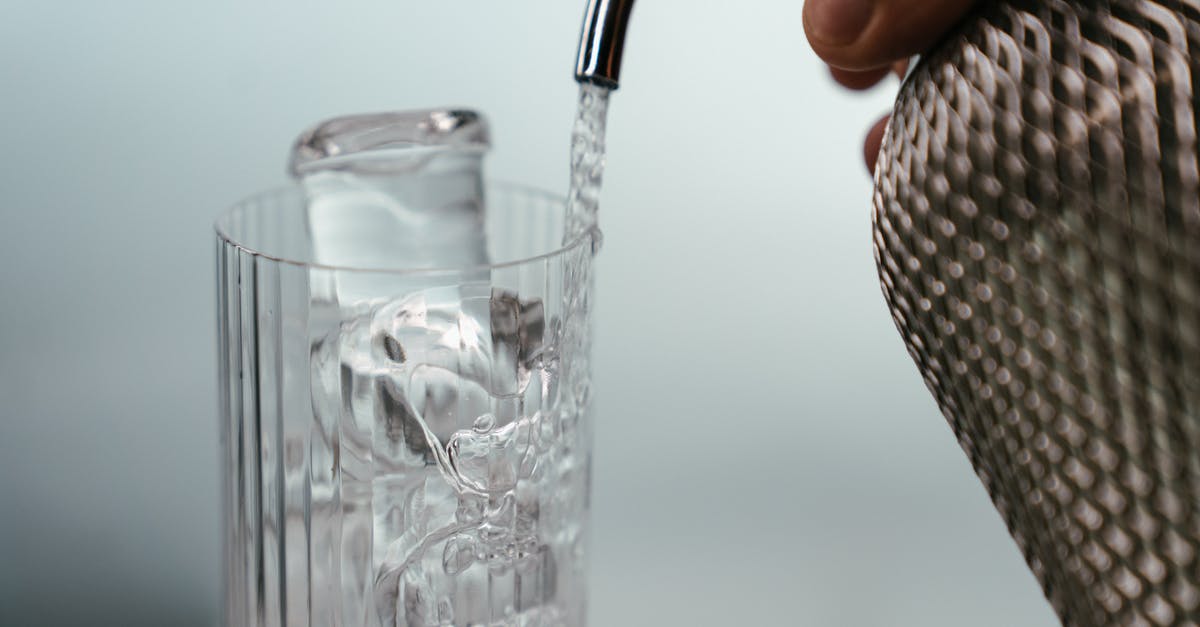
[[766, 454]]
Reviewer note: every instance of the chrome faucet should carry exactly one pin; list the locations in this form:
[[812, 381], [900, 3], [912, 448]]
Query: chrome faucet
[[601, 41]]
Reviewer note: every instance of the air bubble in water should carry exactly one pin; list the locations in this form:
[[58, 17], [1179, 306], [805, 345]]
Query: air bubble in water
[[459, 554], [484, 423]]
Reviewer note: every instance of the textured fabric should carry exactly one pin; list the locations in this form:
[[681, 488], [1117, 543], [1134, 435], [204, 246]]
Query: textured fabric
[[1037, 232]]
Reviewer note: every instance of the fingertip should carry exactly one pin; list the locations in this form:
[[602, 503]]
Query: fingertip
[[858, 81], [872, 143], [890, 30], [834, 28], [835, 23]]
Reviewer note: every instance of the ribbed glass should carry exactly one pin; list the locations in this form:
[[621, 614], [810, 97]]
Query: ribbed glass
[[403, 447]]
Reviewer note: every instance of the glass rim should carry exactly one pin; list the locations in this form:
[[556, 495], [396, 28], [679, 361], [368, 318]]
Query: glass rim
[[589, 235]]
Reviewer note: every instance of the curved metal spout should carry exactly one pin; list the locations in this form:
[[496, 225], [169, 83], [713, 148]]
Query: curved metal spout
[[601, 41]]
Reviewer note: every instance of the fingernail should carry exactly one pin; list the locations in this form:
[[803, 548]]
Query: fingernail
[[838, 22]]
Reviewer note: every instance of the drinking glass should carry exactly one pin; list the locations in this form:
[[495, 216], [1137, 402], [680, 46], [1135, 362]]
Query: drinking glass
[[404, 387]]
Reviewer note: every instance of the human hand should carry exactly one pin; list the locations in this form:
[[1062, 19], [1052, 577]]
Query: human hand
[[865, 40]]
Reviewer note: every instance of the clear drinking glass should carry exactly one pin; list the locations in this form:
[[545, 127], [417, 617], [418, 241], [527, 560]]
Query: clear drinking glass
[[404, 376]]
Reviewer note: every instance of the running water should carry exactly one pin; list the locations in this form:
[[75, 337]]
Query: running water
[[587, 160]]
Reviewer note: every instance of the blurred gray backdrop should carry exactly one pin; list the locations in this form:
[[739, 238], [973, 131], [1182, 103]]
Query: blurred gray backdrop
[[766, 454]]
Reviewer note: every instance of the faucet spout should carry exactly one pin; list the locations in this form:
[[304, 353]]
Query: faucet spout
[[601, 41]]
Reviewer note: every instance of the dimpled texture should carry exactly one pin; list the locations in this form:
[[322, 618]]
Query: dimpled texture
[[1037, 234]]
